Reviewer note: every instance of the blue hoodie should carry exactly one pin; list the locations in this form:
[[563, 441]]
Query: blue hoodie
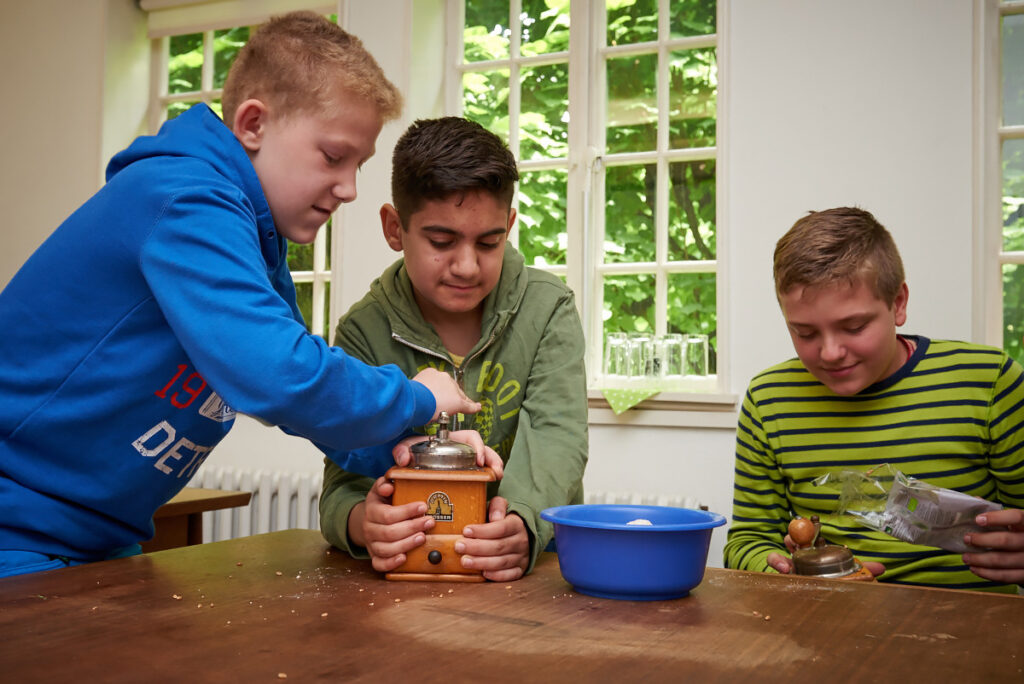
[[133, 334]]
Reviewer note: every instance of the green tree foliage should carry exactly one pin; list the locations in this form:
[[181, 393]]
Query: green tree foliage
[[632, 127]]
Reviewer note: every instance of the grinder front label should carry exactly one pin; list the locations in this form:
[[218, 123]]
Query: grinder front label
[[440, 507]]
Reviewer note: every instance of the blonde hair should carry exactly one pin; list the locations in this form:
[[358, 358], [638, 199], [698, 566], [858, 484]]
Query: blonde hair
[[835, 245], [298, 62]]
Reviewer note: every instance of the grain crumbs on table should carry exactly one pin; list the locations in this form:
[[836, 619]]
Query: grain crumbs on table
[[451, 591], [398, 600], [508, 586], [767, 617], [278, 573], [371, 603], [757, 614], [323, 614], [282, 675], [199, 605], [176, 597], [239, 563]]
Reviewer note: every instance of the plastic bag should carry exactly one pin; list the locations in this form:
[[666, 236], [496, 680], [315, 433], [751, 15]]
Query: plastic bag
[[886, 500]]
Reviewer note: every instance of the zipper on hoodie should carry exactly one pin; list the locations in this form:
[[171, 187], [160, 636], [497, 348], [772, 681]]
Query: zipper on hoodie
[[458, 372]]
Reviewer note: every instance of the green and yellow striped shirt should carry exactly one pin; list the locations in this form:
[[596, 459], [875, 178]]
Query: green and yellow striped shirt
[[952, 416]]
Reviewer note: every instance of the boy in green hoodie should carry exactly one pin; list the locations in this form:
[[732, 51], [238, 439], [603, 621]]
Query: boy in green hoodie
[[461, 300]]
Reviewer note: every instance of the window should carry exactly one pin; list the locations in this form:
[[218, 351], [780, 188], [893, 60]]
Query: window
[[611, 109], [1010, 135], [190, 68]]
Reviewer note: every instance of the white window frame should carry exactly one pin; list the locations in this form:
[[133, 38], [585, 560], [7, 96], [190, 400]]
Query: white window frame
[[992, 134], [585, 268]]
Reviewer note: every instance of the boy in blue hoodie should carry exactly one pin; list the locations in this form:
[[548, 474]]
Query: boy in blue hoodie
[[164, 305]]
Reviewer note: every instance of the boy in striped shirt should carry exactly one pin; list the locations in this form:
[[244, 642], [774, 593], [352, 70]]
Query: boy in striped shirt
[[859, 395]]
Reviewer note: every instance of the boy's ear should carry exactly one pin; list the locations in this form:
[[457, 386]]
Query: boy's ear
[[899, 305], [391, 224], [249, 124], [511, 221]]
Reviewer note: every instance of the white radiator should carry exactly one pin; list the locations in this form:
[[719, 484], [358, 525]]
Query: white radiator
[[284, 501], [280, 501], [638, 498]]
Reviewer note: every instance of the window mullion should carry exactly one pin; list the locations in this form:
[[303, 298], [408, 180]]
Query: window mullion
[[514, 88], [160, 49], [661, 184], [578, 180], [206, 72], [455, 19], [514, 75], [597, 121]]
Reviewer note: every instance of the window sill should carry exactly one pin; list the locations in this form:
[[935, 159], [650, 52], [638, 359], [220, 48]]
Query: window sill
[[707, 410]]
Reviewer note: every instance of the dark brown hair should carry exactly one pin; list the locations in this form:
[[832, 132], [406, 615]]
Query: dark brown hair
[[437, 158]]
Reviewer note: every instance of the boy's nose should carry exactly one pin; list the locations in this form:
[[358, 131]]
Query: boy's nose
[[832, 348], [344, 189], [464, 263]]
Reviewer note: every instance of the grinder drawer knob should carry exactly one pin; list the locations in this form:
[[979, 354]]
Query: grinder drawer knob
[[434, 557]]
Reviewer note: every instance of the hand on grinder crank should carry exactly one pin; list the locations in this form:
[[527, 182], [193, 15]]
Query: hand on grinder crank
[[389, 532], [447, 394], [803, 533]]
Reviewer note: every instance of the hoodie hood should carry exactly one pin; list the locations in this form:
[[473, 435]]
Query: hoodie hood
[[393, 290], [180, 137]]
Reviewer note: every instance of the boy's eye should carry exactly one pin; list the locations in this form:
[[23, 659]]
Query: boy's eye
[[331, 159], [854, 329], [440, 245], [489, 245]]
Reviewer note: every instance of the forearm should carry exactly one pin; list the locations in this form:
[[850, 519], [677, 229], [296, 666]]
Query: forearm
[[342, 504], [356, 516], [760, 507], [544, 470]]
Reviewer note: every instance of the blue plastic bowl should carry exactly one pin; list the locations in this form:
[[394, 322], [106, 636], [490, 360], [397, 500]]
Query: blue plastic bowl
[[601, 555]]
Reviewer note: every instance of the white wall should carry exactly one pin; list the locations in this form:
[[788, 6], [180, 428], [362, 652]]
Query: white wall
[[849, 103], [50, 125], [828, 102]]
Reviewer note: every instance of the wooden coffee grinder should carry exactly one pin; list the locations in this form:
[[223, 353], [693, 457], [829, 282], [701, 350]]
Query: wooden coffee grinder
[[816, 557], [443, 473]]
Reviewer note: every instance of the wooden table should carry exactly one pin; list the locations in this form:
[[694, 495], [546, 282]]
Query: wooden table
[[248, 609], [179, 522]]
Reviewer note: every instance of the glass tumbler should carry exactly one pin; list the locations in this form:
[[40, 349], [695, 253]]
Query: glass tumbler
[[673, 356], [615, 354], [697, 355], [638, 355]]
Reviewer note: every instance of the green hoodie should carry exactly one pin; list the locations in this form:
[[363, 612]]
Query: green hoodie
[[527, 371]]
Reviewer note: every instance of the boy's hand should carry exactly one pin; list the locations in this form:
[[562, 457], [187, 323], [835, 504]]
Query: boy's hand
[[784, 564], [388, 532], [499, 547], [485, 455], [448, 395], [1004, 559]]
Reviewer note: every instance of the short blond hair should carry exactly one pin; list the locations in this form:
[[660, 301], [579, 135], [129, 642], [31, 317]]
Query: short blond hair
[[844, 244], [299, 62]]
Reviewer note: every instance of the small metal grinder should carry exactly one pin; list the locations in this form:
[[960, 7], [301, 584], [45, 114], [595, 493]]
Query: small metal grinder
[[816, 557]]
